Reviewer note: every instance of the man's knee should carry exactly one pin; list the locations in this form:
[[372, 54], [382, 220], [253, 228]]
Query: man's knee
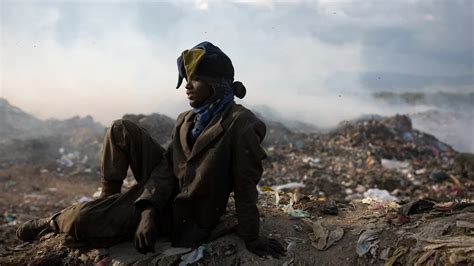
[[122, 130], [121, 125]]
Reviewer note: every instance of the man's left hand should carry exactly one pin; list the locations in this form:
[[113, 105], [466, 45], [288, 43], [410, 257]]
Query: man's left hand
[[263, 246], [146, 234]]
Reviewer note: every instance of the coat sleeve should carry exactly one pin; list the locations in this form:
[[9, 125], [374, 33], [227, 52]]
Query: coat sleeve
[[162, 183], [246, 171]]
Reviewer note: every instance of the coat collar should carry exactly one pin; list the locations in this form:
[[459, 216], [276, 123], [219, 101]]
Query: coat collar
[[183, 132], [212, 131]]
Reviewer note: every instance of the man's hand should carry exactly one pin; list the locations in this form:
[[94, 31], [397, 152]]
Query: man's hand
[[146, 234], [266, 246]]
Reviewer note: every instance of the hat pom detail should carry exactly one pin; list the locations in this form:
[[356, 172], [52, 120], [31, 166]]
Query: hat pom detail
[[239, 89]]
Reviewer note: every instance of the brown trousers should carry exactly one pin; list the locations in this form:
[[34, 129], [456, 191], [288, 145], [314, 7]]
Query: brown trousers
[[109, 220]]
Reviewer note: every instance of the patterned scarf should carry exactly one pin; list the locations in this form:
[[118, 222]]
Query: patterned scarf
[[205, 113]]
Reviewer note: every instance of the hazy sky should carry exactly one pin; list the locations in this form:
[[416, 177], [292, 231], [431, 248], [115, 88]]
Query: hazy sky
[[311, 59]]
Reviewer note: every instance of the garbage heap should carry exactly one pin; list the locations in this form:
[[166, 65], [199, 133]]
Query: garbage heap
[[385, 154], [370, 192], [159, 126]]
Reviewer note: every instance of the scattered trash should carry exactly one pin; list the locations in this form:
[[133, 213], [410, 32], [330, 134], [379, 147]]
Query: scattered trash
[[319, 235], [368, 242], [420, 171], [400, 251], [9, 217], [288, 208], [97, 193], [84, 199], [291, 247], [334, 236], [349, 162], [417, 206], [65, 162], [295, 213], [392, 164], [311, 161], [193, 256], [329, 207], [297, 228], [321, 238], [438, 176], [379, 195]]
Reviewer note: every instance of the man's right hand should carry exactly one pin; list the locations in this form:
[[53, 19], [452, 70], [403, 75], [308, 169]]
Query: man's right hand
[[146, 234]]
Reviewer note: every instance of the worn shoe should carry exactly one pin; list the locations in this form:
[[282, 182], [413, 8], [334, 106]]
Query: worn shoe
[[34, 228]]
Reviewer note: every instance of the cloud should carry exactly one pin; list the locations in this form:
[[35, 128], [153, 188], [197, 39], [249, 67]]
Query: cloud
[[107, 58]]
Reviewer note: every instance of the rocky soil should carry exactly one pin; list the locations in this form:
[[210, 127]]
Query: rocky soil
[[371, 191]]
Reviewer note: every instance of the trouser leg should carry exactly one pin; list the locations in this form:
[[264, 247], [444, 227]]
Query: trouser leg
[[102, 222], [126, 144], [108, 220]]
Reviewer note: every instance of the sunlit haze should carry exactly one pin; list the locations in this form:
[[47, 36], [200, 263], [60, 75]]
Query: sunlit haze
[[317, 61]]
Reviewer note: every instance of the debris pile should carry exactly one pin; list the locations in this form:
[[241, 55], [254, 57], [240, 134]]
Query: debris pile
[[69, 145], [387, 154], [372, 191]]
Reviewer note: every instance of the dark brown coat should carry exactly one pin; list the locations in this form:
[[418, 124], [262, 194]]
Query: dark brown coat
[[226, 157]]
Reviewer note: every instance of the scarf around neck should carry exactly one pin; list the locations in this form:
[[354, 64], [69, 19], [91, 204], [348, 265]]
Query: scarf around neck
[[205, 113]]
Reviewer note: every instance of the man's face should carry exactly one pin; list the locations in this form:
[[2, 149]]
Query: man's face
[[198, 92]]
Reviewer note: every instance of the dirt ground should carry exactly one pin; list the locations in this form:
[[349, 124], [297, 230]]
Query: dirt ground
[[30, 192], [442, 237]]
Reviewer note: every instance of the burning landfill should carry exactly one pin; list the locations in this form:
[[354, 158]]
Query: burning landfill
[[371, 191]]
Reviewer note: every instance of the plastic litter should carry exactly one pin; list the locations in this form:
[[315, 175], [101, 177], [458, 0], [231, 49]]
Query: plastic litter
[[9, 218], [379, 195], [193, 256], [311, 161], [393, 164], [368, 242], [84, 199], [334, 236], [319, 235], [65, 162], [420, 171], [294, 213], [288, 208], [97, 193]]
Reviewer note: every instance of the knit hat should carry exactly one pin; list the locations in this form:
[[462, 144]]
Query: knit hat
[[207, 60]]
